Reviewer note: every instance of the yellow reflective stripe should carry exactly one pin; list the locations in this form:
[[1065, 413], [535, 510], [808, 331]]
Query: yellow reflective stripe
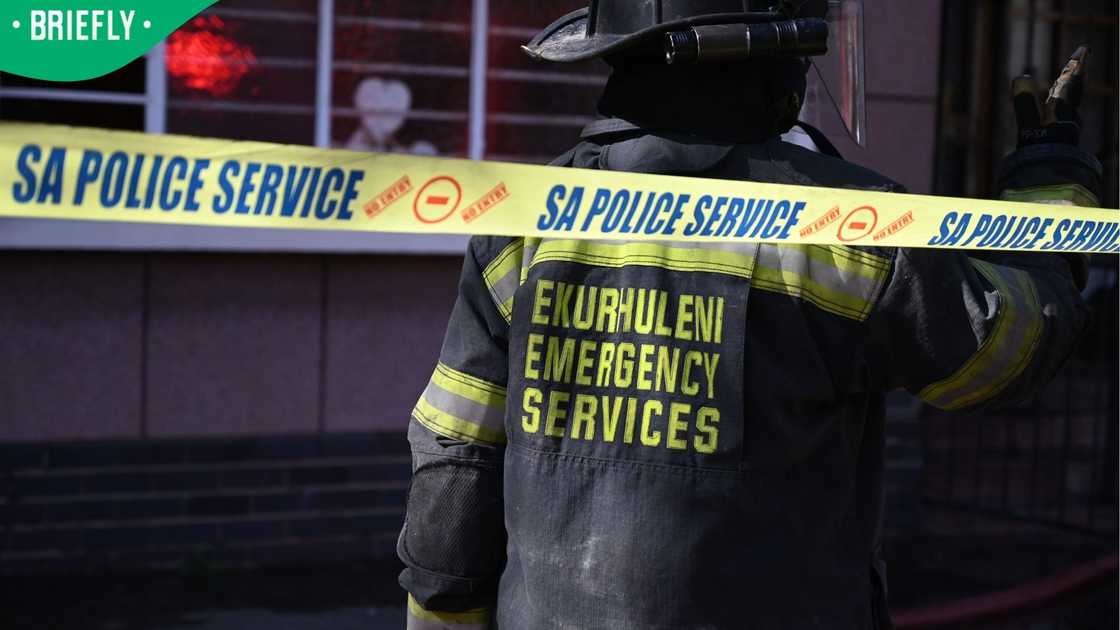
[[527, 254], [503, 276], [795, 285], [1005, 353], [617, 255], [848, 259], [456, 404], [449, 425], [423, 619], [837, 279], [1062, 194], [467, 386]]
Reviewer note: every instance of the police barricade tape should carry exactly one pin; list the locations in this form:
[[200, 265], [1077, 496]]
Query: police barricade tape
[[49, 171]]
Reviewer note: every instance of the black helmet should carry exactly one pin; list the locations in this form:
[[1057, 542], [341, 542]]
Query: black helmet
[[611, 26]]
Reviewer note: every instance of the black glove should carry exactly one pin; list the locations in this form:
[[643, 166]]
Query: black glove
[[1048, 166], [1056, 120]]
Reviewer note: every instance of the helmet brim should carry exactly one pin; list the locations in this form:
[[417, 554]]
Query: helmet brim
[[566, 39]]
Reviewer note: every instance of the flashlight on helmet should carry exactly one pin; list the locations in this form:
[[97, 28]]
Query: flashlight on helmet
[[803, 37]]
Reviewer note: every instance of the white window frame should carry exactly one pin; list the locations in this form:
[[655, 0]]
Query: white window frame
[[56, 234]]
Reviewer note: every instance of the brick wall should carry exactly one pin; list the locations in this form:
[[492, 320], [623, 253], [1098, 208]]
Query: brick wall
[[903, 53], [158, 410], [254, 501], [108, 345], [221, 502]]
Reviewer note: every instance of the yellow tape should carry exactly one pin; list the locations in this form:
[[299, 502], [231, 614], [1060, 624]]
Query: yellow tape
[[69, 173]]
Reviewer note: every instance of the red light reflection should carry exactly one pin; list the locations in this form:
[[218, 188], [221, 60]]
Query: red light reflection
[[202, 58]]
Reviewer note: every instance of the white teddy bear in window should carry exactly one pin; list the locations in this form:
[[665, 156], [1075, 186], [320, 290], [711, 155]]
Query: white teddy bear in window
[[383, 107]]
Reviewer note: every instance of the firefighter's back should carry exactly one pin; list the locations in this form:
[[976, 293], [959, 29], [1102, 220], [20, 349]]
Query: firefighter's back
[[690, 444], [675, 435]]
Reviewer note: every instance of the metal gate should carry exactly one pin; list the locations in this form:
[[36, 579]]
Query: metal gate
[[1053, 460]]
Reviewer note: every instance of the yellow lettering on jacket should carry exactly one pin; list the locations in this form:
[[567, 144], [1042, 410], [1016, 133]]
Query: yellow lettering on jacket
[[530, 404], [557, 412], [623, 366], [628, 310]]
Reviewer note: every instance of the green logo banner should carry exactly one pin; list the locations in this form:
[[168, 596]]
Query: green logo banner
[[74, 40]]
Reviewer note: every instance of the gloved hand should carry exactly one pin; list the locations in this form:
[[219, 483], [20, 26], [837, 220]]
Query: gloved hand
[[1048, 166], [1056, 120]]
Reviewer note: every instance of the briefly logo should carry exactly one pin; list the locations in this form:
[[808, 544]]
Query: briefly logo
[[80, 25], [76, 40]]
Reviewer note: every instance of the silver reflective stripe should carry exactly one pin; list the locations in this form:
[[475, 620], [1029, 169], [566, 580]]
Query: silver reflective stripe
[[837, 279], [796, 258], [530, 250], [841, 280], [504, 289], [464, 408], [746, 249], [527, 255], [735, 259], [1005, 352], [503, 276], [1056, 194]]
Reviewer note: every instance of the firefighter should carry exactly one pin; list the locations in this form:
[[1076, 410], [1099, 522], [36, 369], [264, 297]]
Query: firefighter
[[626, 435]]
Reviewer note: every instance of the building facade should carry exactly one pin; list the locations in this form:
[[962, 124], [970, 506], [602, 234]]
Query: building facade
[[169, 393]]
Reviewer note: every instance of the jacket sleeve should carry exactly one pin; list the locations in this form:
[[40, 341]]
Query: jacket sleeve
[[967, 329], [453, 540], [961, 331]]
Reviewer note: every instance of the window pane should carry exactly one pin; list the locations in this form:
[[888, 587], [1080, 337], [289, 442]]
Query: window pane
[[106, 115], [17, 104], [230, 75], [401, 76], [1039, 42], [129, 79]]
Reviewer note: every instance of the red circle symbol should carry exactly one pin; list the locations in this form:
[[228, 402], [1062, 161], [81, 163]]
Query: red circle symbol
[[437, 199], [858, 224]]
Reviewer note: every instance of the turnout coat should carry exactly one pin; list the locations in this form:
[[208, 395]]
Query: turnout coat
[[626, 435]]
